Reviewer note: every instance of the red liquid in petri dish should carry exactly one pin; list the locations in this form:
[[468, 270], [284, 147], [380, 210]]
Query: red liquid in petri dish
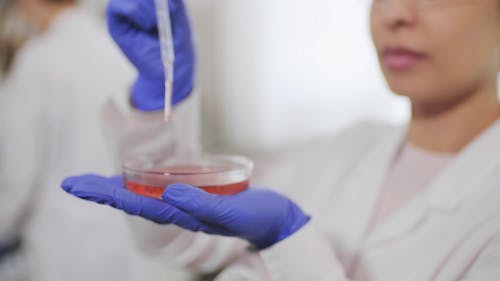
[[185, 174], [156, 191]]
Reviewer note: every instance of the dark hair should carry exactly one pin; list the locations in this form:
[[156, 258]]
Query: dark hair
[[7, 47]]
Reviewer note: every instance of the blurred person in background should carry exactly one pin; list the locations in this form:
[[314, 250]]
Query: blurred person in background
[[375, 203], [13, 34], [49, 114]]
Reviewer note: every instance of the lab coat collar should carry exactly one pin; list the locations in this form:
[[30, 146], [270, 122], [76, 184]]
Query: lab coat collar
[[460, 180], [465, 173]]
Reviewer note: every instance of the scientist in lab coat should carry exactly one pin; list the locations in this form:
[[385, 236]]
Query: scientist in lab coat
[[50, 127], [375, 203]]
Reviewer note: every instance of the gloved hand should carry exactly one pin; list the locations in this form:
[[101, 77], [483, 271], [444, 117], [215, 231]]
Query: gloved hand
[[260, 216], [132, 24]]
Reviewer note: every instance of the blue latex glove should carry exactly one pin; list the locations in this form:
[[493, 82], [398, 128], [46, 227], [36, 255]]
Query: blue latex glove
[[260, 216], [132, 24]]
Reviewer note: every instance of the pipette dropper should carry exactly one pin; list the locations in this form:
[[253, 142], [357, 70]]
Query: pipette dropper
[[167, 51]]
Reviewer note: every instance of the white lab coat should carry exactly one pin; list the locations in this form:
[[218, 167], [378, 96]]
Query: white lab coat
[[450, 232], [51, 129]]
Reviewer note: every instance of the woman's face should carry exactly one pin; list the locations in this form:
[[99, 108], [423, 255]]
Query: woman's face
[[437, 52]]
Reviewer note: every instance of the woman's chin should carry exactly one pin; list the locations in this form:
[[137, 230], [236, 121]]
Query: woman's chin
[[414, 88]]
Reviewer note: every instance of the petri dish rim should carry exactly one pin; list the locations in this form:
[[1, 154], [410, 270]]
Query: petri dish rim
[[244, 165]]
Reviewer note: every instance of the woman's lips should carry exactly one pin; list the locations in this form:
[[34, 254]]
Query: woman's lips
[[401, 59]]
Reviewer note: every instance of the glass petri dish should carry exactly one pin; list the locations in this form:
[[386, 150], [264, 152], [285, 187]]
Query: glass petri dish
[[216, 174]]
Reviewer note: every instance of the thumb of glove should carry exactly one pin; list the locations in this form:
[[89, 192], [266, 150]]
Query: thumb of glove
[[195, 201]]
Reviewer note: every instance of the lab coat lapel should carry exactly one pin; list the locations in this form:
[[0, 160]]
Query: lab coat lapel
[[399, 224], [465, 175], [361, 192], [461, 178]]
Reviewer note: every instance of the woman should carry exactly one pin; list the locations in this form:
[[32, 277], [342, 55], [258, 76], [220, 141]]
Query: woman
[[374, 203], [50, 109]]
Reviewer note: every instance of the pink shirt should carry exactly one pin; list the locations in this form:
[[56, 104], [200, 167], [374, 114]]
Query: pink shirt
[[411, 173]]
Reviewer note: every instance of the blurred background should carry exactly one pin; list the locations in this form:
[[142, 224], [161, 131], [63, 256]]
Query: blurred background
[[275, 71], [271, 72]]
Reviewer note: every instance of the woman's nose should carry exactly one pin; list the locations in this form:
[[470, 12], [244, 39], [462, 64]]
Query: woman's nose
[[397, 14]]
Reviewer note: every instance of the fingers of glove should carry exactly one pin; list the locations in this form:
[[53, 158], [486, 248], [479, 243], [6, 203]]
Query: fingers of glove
[[117, 180], [168, 214], [143, 50], [202, 205], [148, 95], [123, 15], [91, 187], [110, 191], [132, 24], [160, 212], [142, 14]]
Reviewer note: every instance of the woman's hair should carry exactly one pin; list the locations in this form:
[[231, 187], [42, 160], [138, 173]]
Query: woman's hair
[[8, 46], [11, 40]]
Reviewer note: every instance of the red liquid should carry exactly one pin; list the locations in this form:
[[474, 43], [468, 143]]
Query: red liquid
[[157, 191]]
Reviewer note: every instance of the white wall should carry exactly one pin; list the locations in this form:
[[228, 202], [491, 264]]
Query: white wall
[[275, 71]]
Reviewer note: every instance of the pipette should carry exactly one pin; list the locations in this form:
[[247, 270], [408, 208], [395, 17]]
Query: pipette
[[167, 51]]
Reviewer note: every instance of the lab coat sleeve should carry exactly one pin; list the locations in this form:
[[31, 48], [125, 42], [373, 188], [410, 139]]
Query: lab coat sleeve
[[306, 255], [137, 133], [179, 248]]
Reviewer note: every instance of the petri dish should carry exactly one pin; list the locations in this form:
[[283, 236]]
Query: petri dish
[[216, 174]]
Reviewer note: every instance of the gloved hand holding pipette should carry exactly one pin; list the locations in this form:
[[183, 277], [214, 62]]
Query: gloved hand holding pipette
[[260, 216], [133, 26]]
